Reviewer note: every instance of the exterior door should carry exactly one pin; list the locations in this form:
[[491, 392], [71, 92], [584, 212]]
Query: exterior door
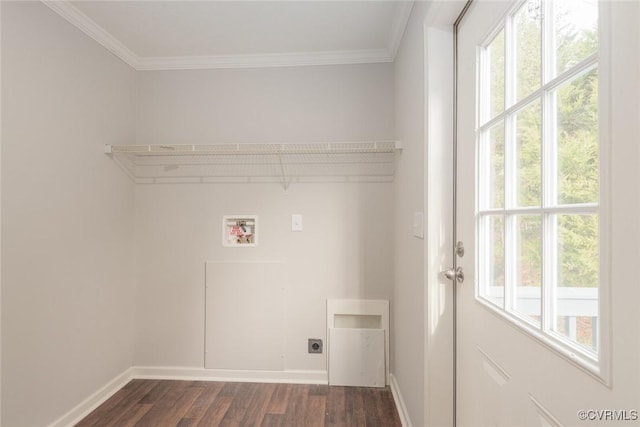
[[547, 203]]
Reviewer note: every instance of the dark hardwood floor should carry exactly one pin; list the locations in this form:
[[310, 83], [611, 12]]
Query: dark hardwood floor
[[199, 403]]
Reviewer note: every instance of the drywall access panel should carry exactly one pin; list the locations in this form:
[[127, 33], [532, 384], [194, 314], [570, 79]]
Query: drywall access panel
[[358, 342], [244, 327]]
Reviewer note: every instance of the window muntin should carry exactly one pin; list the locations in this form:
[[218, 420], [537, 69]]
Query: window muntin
[[538, 189]]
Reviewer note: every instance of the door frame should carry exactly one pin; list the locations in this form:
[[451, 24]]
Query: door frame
[[456, 28], [439, 31]]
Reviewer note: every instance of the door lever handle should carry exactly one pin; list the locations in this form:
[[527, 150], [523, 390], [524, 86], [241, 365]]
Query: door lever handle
[[456, 274]]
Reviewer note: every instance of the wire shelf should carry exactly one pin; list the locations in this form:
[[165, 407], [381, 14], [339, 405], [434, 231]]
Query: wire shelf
[[286, 163]]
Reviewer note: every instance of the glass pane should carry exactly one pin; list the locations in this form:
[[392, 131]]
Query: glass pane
[[580, 329], [494, 165], [529, 155], [576, 32], [492, 267], [577, 139], [528, 48], [529, 266], [495, 59], [578, 278]]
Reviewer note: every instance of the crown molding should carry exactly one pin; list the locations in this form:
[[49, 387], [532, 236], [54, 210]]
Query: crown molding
[[72, 14], [398, 27], [68, 11], [265, 60]]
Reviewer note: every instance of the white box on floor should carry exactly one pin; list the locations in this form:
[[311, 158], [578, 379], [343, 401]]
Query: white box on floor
[[356, 357]]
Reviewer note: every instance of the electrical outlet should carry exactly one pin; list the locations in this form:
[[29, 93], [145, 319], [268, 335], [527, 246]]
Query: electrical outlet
[[315, 345]]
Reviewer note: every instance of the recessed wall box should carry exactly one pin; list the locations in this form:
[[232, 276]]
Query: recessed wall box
[[240, 230], [314, 345]]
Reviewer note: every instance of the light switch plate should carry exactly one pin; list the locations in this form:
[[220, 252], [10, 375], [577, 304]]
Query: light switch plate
[[296, 222]]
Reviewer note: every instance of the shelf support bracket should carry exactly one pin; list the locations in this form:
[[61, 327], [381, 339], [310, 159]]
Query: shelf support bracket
[[283, 174]]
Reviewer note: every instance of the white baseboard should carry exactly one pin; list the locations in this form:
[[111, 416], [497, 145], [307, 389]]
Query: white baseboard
[[397, 397], [201, 374], [92, 402]]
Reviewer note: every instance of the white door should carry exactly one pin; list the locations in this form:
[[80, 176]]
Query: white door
[[548, 167]]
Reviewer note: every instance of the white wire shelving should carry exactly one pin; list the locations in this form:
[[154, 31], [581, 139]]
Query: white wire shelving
[[370, 161]]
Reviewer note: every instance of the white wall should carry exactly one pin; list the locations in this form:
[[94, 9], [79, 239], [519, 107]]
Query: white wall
[[408, 314], [290, 104], [346, 248], [67, 213]]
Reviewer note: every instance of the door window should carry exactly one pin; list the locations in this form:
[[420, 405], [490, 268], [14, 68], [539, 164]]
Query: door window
[[538, 162]]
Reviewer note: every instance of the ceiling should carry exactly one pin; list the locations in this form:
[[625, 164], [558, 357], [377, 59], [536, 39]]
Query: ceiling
[[179, 34]]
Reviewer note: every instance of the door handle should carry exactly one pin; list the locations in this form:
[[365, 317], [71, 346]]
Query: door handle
[[456, 274]]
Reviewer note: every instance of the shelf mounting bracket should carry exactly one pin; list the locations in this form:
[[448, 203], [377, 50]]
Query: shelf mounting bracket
[[283, 175]]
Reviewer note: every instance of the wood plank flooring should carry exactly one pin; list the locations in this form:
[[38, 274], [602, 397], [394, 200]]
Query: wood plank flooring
[[161, 403]]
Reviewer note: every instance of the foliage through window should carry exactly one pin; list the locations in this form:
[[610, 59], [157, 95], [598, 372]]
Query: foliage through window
[[538, 163]]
